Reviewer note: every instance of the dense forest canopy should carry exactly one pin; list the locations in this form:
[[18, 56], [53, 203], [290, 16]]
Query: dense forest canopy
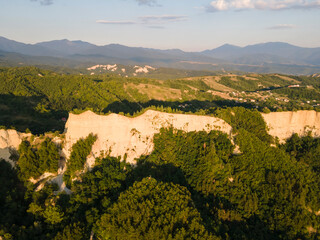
[[36, 160], [191, 186]]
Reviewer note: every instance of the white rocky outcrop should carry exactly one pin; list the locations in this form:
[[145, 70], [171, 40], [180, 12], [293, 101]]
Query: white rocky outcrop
[[94, 67], [284, 124], [144, 69], [10, 139], [104, 67], [133, 137]]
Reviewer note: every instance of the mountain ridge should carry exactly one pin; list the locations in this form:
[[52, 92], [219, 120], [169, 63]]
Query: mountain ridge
[[263, 57]]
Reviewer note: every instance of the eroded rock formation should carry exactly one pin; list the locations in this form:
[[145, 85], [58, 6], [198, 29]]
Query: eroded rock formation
[[133, 137], [9, 140], [284, 124]]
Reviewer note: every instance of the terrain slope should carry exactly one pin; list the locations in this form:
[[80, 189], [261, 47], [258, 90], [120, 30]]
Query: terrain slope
[[9, 140], [284, 124], [132, 137]]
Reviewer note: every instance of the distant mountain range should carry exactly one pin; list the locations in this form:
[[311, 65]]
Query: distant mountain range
[[267, 57], [272, 52]]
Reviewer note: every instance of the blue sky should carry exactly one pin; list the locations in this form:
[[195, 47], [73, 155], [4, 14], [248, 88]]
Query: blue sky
[[191, 25]]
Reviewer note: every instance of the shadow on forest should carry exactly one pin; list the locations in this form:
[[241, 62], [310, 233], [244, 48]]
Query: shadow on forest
[[165, 173], [40, 114], [252, 228], [186, 106], [20, 112]]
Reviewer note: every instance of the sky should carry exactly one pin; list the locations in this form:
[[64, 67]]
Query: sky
[[190, 25]]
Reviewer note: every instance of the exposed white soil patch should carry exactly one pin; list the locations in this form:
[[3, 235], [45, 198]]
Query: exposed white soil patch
[[62, 186], [104, 67], [144, 69]]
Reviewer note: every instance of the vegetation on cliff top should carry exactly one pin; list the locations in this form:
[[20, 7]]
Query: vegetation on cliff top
[[40, 99]]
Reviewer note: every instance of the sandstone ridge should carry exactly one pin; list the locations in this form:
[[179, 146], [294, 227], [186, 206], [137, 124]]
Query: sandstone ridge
[[133, 137], [284, 124], [9, 140]]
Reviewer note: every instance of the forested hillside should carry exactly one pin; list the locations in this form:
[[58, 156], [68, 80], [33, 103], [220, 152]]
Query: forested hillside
[[192, 186], [40, 99]]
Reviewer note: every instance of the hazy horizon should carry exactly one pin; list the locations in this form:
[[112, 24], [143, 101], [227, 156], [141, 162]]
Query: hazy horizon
[[174, 48], [188, 25]]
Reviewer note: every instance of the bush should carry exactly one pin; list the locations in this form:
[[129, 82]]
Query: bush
[[80, 150], [33, 161]]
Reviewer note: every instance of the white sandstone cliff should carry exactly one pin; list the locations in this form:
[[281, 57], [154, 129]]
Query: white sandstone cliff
[[284, 124], [10, 140], [132, 136]]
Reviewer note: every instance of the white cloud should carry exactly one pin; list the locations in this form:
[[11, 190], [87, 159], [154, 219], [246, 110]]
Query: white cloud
[[115, 22], [220, 5], [224, 5], [161, 19], [156, 27], [150, 21], [44, 2], [150, 3], [282, 27]]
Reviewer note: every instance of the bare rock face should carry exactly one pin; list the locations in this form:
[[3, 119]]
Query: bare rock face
[[133, 137], [284, 124], [9, 140]]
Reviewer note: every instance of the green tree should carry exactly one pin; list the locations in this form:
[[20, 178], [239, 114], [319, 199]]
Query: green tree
[[201, 156], [74, 231], [48, 156], [53, 214], [28, 162], [34, 161], [80, 150], [153, 210]]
